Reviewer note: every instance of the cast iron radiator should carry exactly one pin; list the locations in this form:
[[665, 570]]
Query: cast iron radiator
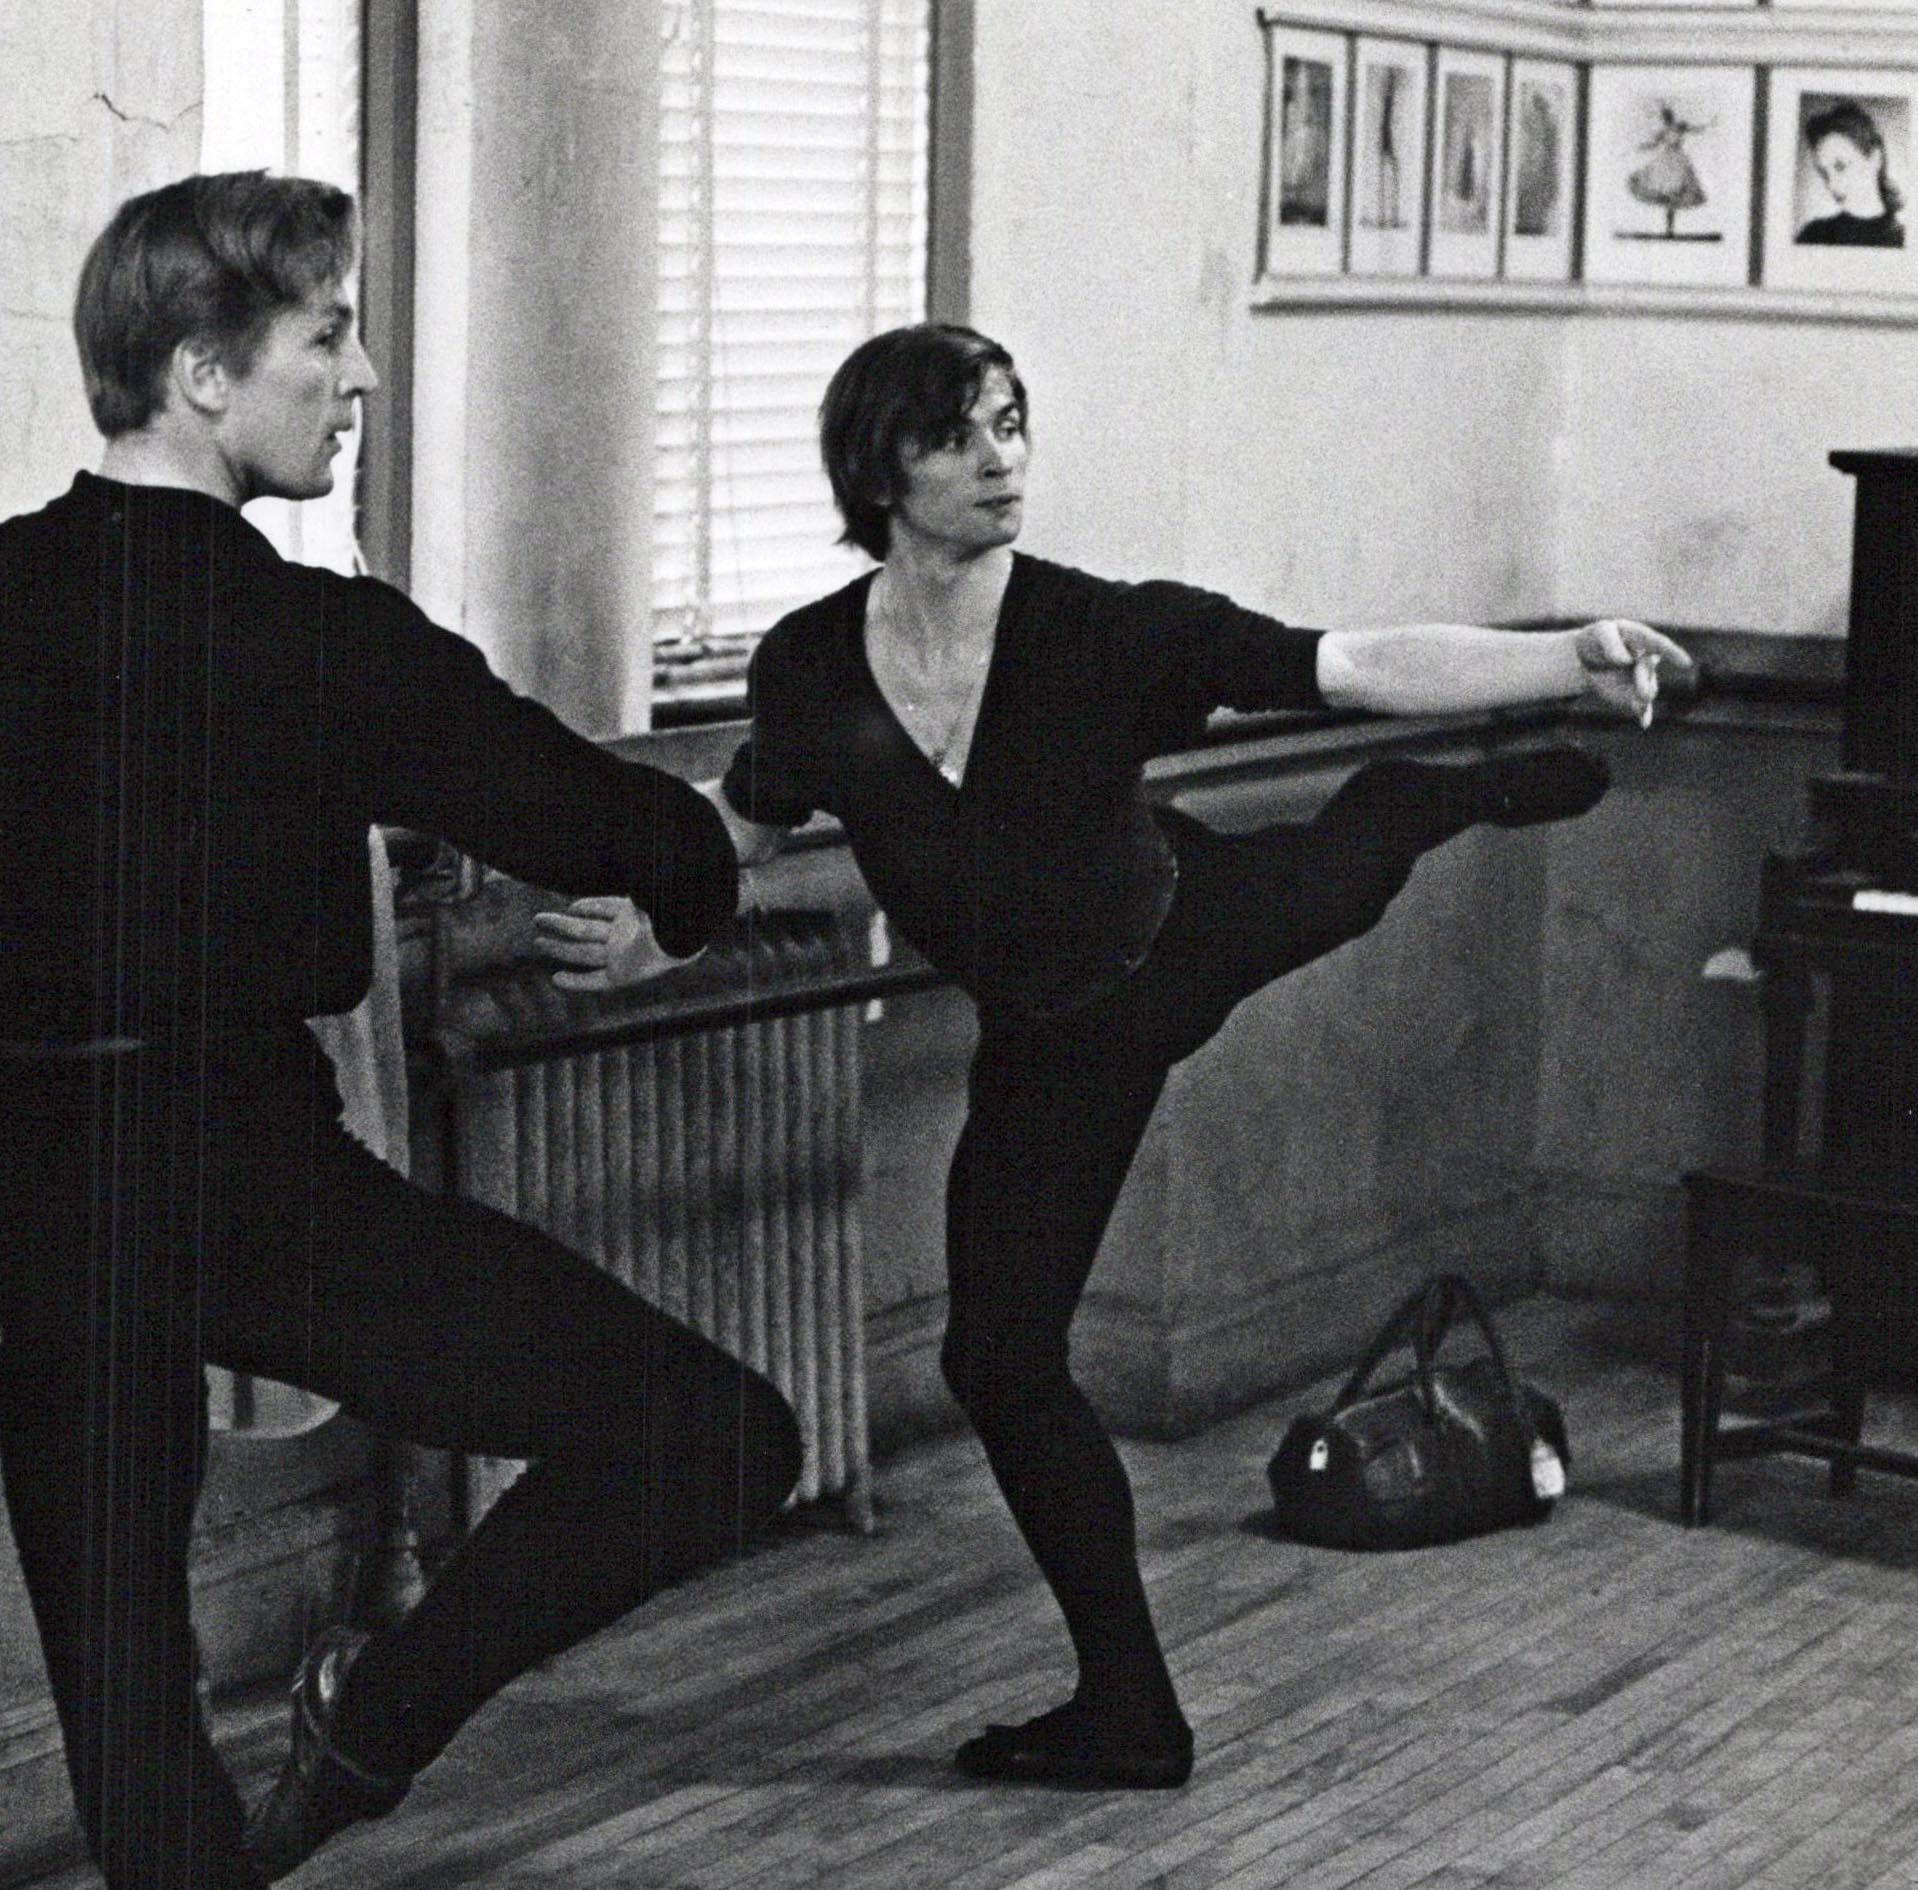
[[700, 1138]]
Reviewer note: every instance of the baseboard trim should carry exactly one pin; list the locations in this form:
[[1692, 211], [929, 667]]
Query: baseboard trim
[[1162, 1382]]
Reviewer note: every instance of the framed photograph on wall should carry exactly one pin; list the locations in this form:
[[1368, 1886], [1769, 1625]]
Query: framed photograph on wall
[[1468, 161], [1305, 152], [1668, 178], [1389, 83], [1541, 171], [1838, 175]]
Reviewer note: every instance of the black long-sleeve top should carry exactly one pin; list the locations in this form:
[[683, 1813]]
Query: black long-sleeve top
[[1042, 878], [197, 736]]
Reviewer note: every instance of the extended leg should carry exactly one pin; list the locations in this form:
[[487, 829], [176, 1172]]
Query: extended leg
[[1354, 857], [1254, 906], [653, 1453]]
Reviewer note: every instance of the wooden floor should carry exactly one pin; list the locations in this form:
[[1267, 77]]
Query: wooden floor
[[1607, 1702]]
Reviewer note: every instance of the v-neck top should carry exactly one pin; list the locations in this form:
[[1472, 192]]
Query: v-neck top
[[199, 734], [1043, 878]]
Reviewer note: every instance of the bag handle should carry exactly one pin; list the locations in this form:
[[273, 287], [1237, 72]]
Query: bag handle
[[1422, 1320], [1453, 1292], [1402, 1328]]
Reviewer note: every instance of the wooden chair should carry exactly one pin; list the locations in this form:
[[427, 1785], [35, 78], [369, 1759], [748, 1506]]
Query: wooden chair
[[1864, 1249]]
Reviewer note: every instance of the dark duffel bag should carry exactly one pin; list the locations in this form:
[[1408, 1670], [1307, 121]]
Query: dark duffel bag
[[1446, 1452]]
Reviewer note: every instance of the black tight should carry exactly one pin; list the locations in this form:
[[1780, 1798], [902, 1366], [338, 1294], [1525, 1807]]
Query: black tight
[[160, 1222], [1057, 1111]]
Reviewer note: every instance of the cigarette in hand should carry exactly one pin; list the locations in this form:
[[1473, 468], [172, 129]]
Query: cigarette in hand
[[1645, 681]]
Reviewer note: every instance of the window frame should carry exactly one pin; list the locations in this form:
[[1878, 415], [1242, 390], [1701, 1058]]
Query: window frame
[[390, 40], [389, 149]]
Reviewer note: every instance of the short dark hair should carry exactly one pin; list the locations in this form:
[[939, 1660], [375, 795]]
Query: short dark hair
[[212, 258], [906, 388]]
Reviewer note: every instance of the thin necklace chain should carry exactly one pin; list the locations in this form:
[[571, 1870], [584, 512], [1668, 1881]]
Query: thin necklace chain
[[938, 751]]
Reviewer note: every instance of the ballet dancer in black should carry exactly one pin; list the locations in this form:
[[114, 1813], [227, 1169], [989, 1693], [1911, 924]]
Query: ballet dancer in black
[[199, 734], [977, 719]]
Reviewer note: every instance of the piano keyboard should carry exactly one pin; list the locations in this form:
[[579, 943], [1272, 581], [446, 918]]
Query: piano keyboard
[[1883, 899]]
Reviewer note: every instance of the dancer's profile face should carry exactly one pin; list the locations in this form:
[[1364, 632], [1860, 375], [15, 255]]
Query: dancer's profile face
[[284, 416], [967, 490], [1850, 175]]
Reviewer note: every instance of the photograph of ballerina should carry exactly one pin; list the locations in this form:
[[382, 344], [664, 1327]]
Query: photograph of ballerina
[[1839, 167], [1668, 180], [1538, 216], [1308, 75], [1465, 171], [1671, 175], [1852, 153], [1388, 157], [1305, 143], [1468, 162]]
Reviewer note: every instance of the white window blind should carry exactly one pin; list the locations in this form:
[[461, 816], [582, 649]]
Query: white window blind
[[792, 224]]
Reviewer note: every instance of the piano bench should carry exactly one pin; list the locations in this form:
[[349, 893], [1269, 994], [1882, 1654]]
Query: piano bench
[[1863, 1248]]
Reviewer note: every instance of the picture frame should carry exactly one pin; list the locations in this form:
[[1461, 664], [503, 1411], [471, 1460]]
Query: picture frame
[[1668, 175], [1391, 80], [1841, 161], [1541, 190], [1467, 172], [1307, 78]]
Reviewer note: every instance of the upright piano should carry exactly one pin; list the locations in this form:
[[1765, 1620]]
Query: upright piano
[[1836, 1186], [1841, 907]]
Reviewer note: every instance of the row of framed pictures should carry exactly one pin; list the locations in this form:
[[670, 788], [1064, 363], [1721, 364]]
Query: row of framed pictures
[[1391, 158]]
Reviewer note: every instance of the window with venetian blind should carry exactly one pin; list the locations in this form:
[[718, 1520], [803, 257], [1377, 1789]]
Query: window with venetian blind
[[792, 224]]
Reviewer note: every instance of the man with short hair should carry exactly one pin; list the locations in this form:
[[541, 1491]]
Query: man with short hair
[[978, 720], [199, 735]]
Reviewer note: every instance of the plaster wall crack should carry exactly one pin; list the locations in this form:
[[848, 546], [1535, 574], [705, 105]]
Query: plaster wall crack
[[137, 118]]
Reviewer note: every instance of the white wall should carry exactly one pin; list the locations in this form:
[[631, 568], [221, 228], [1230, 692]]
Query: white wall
[[1343, 466], [1697, 462], [98, 99]]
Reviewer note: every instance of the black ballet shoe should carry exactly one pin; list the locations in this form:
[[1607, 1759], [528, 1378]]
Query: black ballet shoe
[[320, 1791], [1069, 1746], [1531, 785]]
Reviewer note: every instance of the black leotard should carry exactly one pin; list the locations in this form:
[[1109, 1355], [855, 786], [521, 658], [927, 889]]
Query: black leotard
[[1043, 878]]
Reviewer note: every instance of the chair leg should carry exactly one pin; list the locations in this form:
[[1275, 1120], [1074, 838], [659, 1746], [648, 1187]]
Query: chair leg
[[1849, 1366], [1711, 1398], [1708, 1277], [1691, 1437]]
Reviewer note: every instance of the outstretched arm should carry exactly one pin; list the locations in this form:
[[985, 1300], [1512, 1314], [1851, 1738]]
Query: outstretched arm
[[1447, 669], [602, 944]]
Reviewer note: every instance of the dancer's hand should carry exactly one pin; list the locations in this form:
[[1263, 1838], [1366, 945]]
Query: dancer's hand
[[1621, 661], [603, 943]]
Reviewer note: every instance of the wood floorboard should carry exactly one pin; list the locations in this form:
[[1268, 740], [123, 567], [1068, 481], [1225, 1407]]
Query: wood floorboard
[[1607, 1702]]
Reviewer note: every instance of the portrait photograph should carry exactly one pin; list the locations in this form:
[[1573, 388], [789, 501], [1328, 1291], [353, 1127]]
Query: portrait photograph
[[1668, 188], [1468, 162], [1390, 78], [1541, 188], [1839, 172], [1306, 150]]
